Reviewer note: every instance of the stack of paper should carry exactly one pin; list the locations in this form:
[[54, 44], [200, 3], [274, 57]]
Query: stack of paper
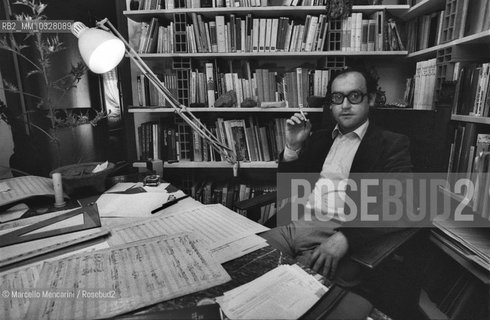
[[473, 243], [285, 292], [121, 201], [224, 232], [19, 284], [15, 189], [109, 282]]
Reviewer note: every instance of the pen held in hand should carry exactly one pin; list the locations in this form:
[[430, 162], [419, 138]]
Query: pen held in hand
[[168, 204]]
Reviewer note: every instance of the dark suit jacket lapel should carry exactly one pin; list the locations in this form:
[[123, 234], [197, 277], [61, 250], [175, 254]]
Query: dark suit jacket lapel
[[320, 150], [368, 152]]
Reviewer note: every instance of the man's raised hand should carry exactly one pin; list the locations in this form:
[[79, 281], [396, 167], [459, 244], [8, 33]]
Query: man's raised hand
[[298, 128]]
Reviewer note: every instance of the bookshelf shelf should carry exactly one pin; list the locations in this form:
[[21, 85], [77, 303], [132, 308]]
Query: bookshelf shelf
[[220, 164], [473, 268], [451, 194], [422, 8], [144, 15], [477, 38], [463, 118], [136, 109], [221, 110], [272, 54]]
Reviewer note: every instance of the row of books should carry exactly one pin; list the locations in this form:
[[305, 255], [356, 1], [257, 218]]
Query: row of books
[[172, 4], [470, 154], [283, 34], [147, 93], [424, 84], [472, 90], [151, 36], [425, 31], [248, 34], [227, 193], [205, 87], [460, 18], [251, 139]]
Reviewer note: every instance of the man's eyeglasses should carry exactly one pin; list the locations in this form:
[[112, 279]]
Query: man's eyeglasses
[[354, 97]]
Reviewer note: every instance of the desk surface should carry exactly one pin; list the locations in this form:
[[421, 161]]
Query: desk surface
[[242, 270]]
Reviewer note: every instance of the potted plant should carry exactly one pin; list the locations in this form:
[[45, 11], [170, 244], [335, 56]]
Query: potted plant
[[43, 115]]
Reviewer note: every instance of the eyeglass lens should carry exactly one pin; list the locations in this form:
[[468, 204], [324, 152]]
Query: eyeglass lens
[[353, 97]]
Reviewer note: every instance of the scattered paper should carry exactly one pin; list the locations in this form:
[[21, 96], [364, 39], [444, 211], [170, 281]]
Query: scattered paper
[[100, 167], [14, 282], [32, 220], [110, 282], [4, 187], [238, 248], [26, 250], [25, 187], [123, 186], [130, 205], [215, 224], [24, 279], [285, 292], [13, 213]]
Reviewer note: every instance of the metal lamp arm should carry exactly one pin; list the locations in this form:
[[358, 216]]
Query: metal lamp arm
[[180, 109]]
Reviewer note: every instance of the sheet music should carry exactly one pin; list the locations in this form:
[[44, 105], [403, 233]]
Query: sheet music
[[25, 187], [34, 219], [269, 296], [238, 248], [15, 282], [24, 279], [127, 277], [215, 224], [26, 250]]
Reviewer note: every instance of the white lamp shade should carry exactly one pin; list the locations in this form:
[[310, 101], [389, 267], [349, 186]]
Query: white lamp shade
[[100, 50]]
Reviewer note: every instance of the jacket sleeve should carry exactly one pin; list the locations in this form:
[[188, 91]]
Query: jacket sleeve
[[397, 163], [298, 165]]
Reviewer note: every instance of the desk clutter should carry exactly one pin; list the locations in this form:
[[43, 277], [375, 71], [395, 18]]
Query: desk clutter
[[109, 269]]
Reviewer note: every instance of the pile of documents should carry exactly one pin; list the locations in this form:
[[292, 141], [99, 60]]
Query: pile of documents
[[145, 262], [224, 232], [285, 292], [112, 281], [472, 243], [133, 200]]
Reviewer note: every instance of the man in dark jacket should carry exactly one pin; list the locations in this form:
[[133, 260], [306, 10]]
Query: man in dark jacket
[[354, 146]]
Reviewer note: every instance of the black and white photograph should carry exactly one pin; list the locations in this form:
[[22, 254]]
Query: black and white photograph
[[245, 159]]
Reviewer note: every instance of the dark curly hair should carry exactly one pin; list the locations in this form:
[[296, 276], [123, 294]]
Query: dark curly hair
[[371, 81]]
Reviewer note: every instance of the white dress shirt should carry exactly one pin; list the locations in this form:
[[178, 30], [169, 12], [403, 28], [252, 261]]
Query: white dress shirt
[[328, 193]]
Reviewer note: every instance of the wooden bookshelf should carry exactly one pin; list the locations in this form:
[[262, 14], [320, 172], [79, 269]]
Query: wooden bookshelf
[[474, 39], [220, 164], [422, 8], [146, 109], [282, 54], [299, 11], [220, 110], [474, 119], [285, 59]]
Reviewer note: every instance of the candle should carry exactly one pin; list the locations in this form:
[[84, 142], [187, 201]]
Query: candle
[[59, 200]]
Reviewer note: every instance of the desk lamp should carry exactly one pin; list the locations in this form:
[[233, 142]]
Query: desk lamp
[[102, 51]]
